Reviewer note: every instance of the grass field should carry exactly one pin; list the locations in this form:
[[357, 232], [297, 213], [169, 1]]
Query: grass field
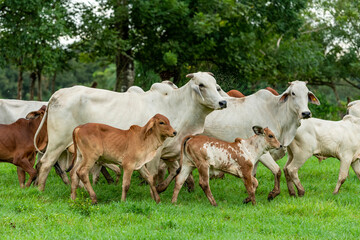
[[30, 214]]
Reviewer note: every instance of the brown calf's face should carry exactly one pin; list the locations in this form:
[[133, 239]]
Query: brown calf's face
[[162, 126], [271, 139]]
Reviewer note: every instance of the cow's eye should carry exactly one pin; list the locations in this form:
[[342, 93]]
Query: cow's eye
[[201, 85], [293, 93], [162, 123], [271, 136], [218, 89]]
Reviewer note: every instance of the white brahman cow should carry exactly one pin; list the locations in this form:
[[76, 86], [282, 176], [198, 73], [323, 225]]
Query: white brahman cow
[[324, 138], [11, 109], [281, 114], [186, 108]]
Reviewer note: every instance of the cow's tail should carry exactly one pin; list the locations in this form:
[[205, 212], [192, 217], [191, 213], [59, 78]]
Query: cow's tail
[[44, 119], [183, 152], [75, 150]]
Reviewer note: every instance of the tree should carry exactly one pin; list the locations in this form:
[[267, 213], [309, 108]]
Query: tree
[[31, 34]]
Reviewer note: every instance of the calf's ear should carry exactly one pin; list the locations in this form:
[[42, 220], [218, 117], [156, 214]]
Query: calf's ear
[[258, 130], [149, 128], [284, 97], [313, 99], [33, 115]]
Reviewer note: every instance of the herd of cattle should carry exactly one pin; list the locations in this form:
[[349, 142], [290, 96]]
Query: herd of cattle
[[195, 126]]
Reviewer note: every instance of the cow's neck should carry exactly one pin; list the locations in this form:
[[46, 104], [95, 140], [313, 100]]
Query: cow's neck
[[192, 118], [288, 122], [255, 146]]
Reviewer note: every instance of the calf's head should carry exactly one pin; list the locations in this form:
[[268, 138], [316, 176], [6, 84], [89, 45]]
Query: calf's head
[[160, 126], [206, 90], [269, 136], [298, 95]]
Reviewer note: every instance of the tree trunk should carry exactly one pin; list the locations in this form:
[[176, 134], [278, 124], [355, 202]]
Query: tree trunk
[[39, 93], [20, 83], [124, 62], [53, 83], [333, 87], [32, 85], [124, 73]]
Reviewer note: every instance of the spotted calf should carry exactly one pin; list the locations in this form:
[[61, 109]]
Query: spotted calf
[[237, 158]]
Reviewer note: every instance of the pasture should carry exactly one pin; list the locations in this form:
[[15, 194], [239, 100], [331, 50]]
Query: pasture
[[28, 213]]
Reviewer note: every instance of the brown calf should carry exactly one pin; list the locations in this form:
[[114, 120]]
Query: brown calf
[[132, 149], [17, 144], [237, 158]]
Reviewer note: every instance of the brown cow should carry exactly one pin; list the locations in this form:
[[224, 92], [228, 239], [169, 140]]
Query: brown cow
[[17, 144], [237, 158], [131, 148], [238, 94]]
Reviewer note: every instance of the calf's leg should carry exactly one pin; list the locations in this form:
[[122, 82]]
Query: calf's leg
[[126, 182], [204, 183], [180, 179], [343, 173], [21, 176], [292, 169], [83, 173], [249, 185]]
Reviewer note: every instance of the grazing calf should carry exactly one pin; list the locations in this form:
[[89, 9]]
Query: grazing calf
[[237, 158], [17, 144], [323, 138], [131, 148]]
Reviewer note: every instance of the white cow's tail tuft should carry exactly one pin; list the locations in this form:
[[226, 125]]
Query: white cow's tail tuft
[[39, 129]]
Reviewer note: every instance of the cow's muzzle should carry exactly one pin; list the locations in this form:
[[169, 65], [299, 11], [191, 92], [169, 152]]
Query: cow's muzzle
[[223, 104], [306, 114]]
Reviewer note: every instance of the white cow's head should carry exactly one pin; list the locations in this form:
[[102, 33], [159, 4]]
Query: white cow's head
[[298, 96], [206, 90]]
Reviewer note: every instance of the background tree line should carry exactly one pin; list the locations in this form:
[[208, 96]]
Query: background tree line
[[247, 44]]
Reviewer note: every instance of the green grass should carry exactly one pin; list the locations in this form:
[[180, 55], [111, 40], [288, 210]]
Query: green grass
[[30, 214]]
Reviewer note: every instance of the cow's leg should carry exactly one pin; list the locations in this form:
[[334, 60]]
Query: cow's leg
[[46, 163], [117, 171], [174, 168], [61, 165], [289, 182], [107, 175], [356, 167], [292, 169], [255, 169], [150, 180], [343, 173], [95, 172], [190, 183], [180, 179], [269, 162], [21, 176]]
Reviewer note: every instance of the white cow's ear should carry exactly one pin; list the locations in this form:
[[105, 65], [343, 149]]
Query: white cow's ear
[[258, 130], [190, 75], [197, 90], [313, 99], [284, 97]]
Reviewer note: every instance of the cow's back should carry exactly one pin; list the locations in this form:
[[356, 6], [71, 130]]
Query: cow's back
[[13, 109]]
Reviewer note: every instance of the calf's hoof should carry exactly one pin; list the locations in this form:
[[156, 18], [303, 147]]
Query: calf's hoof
[[272, 195], [246, 200]]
